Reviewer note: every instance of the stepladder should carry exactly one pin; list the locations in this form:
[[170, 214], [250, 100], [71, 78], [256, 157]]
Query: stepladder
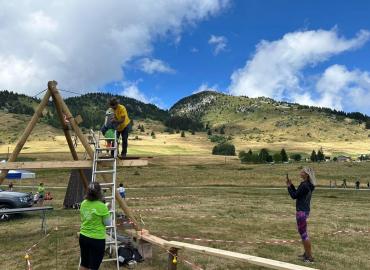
[[105, 163]]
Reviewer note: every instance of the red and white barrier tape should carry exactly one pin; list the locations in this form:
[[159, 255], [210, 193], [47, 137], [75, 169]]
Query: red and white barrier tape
[[159, 197], [272, 241], [158, 208]]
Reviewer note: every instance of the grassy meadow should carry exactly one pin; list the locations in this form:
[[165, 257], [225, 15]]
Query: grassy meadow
[[212, 198]]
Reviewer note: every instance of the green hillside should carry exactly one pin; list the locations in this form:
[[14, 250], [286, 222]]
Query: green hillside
[[265, 120], [91, 107]]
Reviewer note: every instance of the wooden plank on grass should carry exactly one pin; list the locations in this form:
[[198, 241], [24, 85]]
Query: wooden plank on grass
[[268, 263], [272, 264], [78, 164]]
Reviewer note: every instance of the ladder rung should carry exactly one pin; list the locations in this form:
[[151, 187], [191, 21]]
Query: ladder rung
[[109, 197], [105, 159], [106, 184], [110, 260], [106, 148], [109, 227], [107, 171], [110, 242], [106, 139]]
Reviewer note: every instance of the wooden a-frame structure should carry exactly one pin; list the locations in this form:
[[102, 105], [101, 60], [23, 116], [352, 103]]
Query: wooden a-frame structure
[[139, 234], [64, 113]]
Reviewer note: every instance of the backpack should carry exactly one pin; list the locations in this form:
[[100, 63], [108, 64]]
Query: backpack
[[128, 254]]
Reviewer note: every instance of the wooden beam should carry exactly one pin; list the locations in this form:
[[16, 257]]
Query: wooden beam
[[78, 164], [268, 263], [22, 140]]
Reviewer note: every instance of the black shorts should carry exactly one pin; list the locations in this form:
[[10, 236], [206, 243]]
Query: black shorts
[[92, 252]]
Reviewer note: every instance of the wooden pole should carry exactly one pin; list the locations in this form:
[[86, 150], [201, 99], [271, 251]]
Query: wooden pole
[[58, 99], [68, 136], [172, 259], [26, 133]]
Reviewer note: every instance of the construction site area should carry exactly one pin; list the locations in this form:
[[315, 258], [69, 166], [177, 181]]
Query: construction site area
[[180, 212]]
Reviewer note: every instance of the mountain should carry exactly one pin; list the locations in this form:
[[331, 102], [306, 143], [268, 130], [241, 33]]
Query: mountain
[[249, 121], [266, 120], [90, 106]]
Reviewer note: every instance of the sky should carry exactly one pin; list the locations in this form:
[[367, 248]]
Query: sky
[[309, 51]]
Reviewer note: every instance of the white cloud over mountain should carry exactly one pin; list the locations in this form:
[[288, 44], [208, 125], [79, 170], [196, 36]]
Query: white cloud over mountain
[[276, 70], [86, 44]]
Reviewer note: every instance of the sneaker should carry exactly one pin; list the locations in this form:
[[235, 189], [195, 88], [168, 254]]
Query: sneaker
[[308, 259], [302, 256]]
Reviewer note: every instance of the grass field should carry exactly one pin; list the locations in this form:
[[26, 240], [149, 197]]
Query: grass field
[[219, 200]]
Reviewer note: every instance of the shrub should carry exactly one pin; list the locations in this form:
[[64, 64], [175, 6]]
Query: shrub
[[217, 139], [209, 132], [182, 134], [296, 157], [225, 149], [277, 157]]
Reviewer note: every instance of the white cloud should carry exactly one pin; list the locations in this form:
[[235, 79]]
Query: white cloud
[[151, 66], [341, 88], [86, 44], [205, 87], [275, 68], [219, 43], [194, 50], [131, 90]]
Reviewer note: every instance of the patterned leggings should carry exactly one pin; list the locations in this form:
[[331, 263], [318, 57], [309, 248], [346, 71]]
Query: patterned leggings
[[302, 217]]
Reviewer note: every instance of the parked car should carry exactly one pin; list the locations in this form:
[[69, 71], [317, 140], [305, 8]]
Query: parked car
[[12, 199]]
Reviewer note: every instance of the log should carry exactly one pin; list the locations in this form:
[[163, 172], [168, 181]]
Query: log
[[78, 164]]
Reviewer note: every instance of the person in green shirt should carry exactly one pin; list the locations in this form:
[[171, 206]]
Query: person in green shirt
[[41, 192], [94, 219]]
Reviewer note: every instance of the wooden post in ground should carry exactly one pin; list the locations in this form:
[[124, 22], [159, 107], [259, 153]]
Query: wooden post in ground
[[67, 135], [26, 133], [89, 151], [172, 259]]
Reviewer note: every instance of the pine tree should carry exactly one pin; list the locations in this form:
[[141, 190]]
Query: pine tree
[[209, 132], [313, 156], [183, 134], [284, 156], [320, 155]]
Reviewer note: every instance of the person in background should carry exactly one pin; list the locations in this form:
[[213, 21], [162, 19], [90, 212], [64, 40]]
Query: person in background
[[122, 191], [303, 195], [95, 217], [357, 184], [41, 193], [123, 123], [10, 186]]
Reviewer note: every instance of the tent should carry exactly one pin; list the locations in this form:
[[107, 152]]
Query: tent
[[19, 174]]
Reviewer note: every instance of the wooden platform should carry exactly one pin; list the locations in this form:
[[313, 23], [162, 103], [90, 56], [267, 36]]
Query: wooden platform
[[78, 164], [268, 263]]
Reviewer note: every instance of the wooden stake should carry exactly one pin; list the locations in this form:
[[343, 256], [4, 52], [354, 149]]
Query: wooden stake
[[172, 259], [26, 133], [67, 135]]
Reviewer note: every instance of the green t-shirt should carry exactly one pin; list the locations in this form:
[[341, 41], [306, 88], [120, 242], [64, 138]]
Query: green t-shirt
[[110, 134], [92, 215], [41, 190]]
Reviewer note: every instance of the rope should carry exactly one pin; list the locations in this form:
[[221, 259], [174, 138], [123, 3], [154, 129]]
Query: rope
[[71, 92], [39, 93]]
